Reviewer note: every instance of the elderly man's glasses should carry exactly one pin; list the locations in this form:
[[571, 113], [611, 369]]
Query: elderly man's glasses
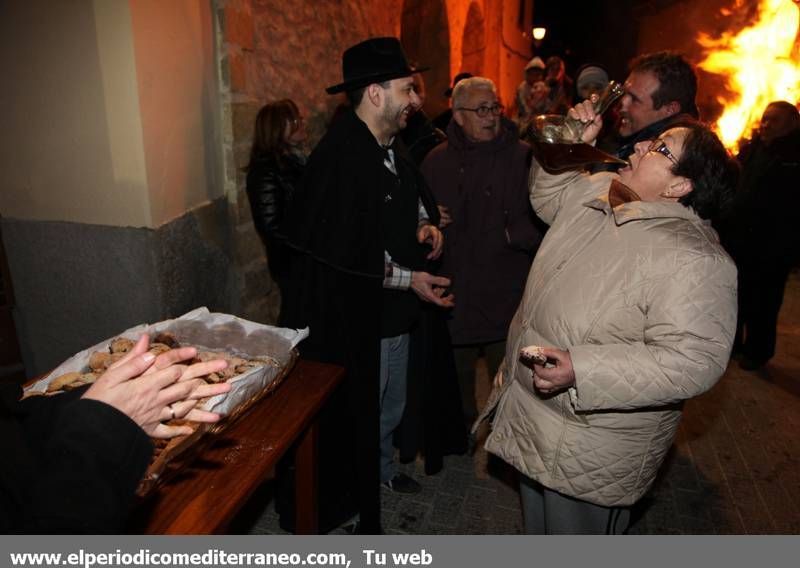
[[484, 110], [659, 146]]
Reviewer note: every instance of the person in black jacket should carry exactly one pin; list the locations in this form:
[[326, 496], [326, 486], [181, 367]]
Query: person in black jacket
[[276, 166], [761, 234], [73, 461]]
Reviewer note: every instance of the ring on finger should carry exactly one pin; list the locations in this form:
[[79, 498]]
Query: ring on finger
[[171, 412]]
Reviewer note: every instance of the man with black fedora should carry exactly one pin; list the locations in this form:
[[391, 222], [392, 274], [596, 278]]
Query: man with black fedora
[[366, 223]]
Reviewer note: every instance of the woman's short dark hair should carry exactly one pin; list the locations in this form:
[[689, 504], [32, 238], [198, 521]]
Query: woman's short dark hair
[[711, 169], [270, 127]]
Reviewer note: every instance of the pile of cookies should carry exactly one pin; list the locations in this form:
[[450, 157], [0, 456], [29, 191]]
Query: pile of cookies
[[100, 361]]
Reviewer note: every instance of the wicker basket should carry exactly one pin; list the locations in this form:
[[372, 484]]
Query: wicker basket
[[181, 451], [213, 332]]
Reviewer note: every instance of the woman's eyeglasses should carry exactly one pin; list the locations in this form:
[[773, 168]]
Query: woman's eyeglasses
[[658, 145], [484, 110]]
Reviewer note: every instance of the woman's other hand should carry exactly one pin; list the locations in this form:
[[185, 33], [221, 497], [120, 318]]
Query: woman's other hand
[[151, 390], [558, 377]]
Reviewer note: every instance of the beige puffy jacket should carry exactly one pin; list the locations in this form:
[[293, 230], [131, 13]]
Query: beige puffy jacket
[[644, 298]]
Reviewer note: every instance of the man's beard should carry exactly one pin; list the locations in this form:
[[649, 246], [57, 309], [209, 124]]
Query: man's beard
[[394, 116]]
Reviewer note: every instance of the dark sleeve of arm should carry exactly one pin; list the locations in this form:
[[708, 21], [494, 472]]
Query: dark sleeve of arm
[[522, 231], [91, 465], [263, 194]]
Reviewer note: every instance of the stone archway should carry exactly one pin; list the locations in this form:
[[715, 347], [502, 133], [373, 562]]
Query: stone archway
[[425, 35], [473, 44]]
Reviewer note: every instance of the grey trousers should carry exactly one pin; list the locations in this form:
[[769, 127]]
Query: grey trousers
[[549, 512]]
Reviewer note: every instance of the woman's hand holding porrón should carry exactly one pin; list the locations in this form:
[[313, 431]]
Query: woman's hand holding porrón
[[593, 122], [152, 390]]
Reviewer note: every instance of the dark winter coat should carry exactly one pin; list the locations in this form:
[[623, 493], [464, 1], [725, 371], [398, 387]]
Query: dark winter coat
[[270, 185], [491, 242], [71, 465], [420, 136], [442, 120], [335, 221], [762, 227]]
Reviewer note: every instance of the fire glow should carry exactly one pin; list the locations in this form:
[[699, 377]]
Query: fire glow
[[760, 64]]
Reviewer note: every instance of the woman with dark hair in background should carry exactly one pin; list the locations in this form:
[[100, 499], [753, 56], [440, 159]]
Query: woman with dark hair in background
[[276, 166]]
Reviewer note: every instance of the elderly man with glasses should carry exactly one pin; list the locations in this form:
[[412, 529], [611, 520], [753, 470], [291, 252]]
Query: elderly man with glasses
[[479, 179]]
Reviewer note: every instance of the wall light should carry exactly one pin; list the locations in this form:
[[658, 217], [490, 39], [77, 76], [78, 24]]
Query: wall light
[[539, 33]]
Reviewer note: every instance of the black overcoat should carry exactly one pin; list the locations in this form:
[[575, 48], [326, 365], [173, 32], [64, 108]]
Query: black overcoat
[[335, 221], [71, 465]]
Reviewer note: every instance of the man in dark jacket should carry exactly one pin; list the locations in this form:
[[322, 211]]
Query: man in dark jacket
[[480, 178], [367, 225], [761, 233]]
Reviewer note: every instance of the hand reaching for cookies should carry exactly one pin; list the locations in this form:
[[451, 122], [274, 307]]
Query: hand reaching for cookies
[[152, 389]]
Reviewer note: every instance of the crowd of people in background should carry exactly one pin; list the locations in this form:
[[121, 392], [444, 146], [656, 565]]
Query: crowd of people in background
[[760, 231], [416, 255], [412, 247], [483, 179]]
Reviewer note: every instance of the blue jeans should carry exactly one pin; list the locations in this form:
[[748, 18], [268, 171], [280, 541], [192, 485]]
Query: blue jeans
[[394, 367]]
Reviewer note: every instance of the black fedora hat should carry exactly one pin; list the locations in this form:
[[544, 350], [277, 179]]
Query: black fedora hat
[[374, 60]]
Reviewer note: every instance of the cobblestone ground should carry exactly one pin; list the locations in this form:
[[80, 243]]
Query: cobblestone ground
[[734, 467]]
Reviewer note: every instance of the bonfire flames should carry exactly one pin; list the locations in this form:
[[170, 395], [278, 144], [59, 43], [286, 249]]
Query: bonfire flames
[[761, 64]]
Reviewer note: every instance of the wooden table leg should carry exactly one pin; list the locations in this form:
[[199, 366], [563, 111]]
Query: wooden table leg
[[306, 503]]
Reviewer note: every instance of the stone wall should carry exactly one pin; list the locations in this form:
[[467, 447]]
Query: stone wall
[[76, 284]]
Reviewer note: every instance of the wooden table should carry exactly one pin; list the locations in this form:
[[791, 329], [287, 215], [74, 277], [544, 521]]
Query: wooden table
[[206, 497]]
